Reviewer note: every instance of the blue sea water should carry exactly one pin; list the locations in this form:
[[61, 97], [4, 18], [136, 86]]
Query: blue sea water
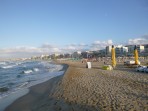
[[17, 76]]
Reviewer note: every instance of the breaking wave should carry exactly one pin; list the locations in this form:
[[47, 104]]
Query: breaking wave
[[30, 71]]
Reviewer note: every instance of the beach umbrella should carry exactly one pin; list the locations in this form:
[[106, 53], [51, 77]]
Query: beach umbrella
[[136, 55], [113, 57]]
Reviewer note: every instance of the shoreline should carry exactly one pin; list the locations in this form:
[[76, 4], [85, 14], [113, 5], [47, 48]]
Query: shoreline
[[33, 89], [34, 95], [82, 89], [11, 98]]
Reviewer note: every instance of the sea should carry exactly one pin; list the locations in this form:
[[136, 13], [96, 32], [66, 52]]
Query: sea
[[17, 76]]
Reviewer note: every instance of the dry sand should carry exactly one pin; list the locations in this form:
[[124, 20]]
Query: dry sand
[[81, 89]]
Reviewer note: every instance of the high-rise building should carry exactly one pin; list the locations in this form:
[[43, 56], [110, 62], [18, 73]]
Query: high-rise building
[[121, 50], [145, 53], [108, 50], [145, 48], [124, 50], [140, 49]]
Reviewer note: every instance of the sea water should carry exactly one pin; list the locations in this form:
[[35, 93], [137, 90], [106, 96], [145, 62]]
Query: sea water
[[17, 76]]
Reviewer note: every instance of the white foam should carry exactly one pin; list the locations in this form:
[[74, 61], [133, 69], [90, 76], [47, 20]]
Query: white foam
[[35, 69], [28, 71], [7, 98], [55, 68], [2, 63], [24, 84], [9, 66]]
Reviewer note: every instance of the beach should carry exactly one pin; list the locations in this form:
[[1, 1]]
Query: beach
[[82, 89]]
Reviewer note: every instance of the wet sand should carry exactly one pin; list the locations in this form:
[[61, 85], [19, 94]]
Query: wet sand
[[81, 89], [38, 95]]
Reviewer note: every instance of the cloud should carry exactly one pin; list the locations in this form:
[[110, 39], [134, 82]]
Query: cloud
[[28, 51], [74, 47], [47, 45], [97, 45], [138, 41], [48, 48], [20, 51]]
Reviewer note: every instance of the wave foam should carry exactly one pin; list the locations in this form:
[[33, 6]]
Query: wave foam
[[9, 66], [24, 84], [56, 68], [35, 69], [2, 63], [27, 72]]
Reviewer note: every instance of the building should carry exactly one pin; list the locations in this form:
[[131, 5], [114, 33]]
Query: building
[[55, 56], [61, 56], [44, 57], [145, 53], [140, 48], [76, 54], [145, 48], [118, 51], [108, 50], [121, 50], [102, 53], [124, 51], [87, 54], [96, 53], [131, 48], [67, 55]]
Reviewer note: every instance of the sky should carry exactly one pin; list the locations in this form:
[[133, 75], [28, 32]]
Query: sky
[[34, 27]]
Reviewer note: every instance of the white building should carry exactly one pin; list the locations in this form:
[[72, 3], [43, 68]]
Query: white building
[[108, 50], [140, 48], [121, 50], [131, 48], [124, 50]]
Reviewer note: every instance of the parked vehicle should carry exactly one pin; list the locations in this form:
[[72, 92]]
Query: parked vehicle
[[146, 69], [141, 68]]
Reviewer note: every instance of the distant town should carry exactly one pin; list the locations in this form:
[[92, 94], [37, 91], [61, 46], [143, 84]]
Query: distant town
[[121, 51]]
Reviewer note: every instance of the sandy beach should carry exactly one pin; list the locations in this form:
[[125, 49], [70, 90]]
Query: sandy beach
[[82, 89]]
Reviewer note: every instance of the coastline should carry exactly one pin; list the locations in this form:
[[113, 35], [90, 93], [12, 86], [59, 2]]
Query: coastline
[[82, 89], [11, 98], [37, 93], [34, 93]]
